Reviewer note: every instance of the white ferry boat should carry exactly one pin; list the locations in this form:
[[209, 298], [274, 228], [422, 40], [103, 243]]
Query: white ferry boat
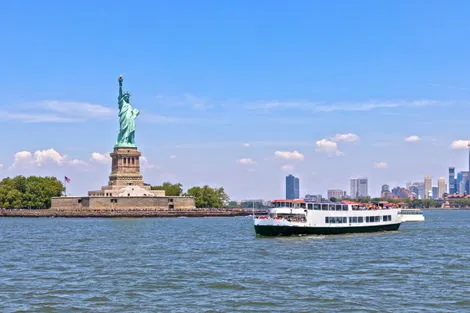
[[297, 217], [411, 215]]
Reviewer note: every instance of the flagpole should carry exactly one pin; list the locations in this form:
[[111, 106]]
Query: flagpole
[[65, 186]]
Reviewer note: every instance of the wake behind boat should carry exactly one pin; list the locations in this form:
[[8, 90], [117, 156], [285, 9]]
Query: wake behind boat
[[298, 217]]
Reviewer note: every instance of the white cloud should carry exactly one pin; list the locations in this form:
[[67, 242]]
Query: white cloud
[[43, 157], [79, 109], [246, 161], [294, 155], [287, 168], [460, 144], [100, 158], [247, 145], [52, 111], [1, 165], [328, 146], [172, 157], [349, 137], [77, 162], [381, 164], [37, 117], [413, 138], [145, 163]]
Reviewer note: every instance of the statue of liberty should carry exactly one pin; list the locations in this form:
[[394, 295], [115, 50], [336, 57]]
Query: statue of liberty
[[127, 116]]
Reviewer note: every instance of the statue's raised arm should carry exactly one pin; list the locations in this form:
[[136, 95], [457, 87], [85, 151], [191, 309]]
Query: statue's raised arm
[[120, 79]]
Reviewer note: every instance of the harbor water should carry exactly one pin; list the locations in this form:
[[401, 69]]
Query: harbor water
[[219, 265]]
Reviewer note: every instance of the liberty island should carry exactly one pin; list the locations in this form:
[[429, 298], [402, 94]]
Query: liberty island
[[126, 194], [126, 190]]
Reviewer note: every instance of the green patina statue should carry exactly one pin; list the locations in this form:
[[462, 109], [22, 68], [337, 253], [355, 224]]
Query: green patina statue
[[127, 116]]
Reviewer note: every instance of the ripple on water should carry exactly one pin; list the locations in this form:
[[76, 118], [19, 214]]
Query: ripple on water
[[220, 265]]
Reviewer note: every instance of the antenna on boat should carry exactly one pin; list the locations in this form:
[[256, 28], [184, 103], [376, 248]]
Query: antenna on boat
[[253, 208]]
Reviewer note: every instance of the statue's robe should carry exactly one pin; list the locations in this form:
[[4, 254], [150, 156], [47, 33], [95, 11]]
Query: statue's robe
[[127, 116]]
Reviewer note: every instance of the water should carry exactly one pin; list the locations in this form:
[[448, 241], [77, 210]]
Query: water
[[219, 265]]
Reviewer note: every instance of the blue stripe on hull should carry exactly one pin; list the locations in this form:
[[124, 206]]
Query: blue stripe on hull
[[268, 230]]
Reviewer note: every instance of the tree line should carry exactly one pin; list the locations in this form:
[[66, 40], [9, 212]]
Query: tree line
[[204, 197], [31, 192], [35, 192]]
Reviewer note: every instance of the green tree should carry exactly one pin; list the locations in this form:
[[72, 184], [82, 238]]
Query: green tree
[[29, 192], [207, 197], [171, 190]]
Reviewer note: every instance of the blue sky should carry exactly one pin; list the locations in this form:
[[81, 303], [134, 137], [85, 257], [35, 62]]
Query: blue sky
[[238, 94]]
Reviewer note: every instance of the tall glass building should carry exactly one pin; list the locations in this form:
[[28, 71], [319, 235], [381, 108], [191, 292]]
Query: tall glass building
[[359, 188], [292, 187], [452, 189]]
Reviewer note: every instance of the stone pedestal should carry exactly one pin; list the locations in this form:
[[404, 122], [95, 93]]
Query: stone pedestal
[[125, 179], [125, 168]]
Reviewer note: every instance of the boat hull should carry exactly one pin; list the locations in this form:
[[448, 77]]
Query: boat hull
[[276, 230]]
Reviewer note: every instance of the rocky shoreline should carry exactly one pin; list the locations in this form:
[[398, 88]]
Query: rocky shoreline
[[209, 212]]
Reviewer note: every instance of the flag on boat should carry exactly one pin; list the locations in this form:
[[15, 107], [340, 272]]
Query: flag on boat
[[67, 180]]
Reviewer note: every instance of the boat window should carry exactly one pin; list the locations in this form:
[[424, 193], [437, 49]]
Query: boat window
[[324, 207], [326, 219], [338, 207], [345, 219], [316, 206], [345, 207], [367, 219], [303, 205], [310, 206], [360, 219]]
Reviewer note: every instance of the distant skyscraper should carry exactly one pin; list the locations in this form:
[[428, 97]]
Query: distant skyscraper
[[462, 182], [441, 185], [385, 188], [427, 187], [417, 188], [358, 188], [452, 186], [336, 193], [458, 181], [435, 192], [292, 187]]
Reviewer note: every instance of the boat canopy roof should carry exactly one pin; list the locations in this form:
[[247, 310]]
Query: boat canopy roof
[[303, 201], [289, 201]]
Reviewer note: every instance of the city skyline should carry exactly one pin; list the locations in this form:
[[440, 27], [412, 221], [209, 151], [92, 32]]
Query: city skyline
[[238, 97]]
